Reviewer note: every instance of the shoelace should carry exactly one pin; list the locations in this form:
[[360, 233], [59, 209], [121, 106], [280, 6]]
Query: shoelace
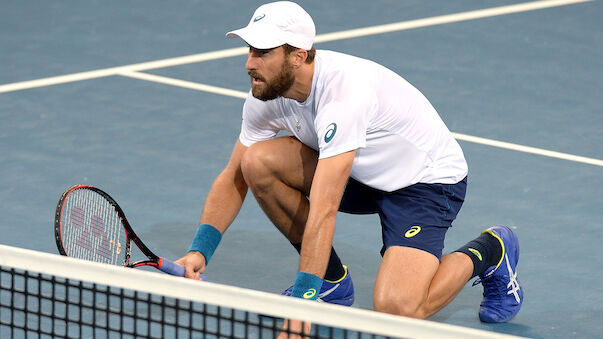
[[495, 286]]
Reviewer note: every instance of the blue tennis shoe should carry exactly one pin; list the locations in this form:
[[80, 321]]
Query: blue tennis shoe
[[503, 294], [340, 292]]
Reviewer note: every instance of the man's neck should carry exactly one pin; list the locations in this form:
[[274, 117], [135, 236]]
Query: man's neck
[[301, 88]]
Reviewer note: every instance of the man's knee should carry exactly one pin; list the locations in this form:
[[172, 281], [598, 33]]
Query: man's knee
[[256, 164], [390, 301], [283, 159], [403, 282]]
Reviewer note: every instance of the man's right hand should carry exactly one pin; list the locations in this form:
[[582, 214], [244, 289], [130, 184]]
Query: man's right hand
[[194, 264]]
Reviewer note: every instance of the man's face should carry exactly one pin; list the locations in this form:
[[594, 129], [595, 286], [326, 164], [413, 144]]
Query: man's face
[[270, 71]]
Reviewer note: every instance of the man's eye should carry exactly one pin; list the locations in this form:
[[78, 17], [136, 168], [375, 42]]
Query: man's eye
[[260, 51]]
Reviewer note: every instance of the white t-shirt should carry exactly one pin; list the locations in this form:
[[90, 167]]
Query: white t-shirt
[[399, 138]]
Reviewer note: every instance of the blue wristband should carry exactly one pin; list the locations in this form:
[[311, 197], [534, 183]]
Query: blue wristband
[[307, 286], [206, 241]]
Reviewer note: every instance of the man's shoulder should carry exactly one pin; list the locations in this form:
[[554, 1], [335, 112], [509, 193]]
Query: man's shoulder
[[336, 64], [343, 60], [344, 73], [333, 61], [325, 53]]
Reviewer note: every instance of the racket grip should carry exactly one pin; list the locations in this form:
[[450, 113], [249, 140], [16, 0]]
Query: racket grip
[[172, 268]]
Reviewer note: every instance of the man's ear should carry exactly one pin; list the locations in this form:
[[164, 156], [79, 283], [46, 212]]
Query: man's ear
[[299, 57]]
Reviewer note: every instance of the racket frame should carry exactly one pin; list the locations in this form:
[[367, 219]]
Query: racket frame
[[153, 260]]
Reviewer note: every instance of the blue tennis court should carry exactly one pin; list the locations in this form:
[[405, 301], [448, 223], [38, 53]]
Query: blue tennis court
[[143, 99]]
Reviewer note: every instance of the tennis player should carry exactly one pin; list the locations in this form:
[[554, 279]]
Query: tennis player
[[362, 140]]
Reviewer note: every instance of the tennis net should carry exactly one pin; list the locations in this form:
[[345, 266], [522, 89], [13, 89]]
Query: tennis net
[[50, 296]]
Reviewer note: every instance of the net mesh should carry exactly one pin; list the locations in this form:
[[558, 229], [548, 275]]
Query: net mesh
[[50, 296], [42, 305]]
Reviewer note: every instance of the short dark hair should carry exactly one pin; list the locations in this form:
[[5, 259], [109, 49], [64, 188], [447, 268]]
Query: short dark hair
[[311, 53]]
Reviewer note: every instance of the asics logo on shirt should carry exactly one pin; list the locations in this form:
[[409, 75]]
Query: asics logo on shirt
[[513, 284], [331, 129], [259, 17]]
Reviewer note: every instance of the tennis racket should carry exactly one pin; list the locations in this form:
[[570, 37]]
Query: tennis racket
[[90, 225]]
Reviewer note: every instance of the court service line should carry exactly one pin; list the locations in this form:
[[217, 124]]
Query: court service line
[[458, 136], [380, 29]]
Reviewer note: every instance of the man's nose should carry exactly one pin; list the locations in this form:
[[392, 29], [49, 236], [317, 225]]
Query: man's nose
[[251, 61]]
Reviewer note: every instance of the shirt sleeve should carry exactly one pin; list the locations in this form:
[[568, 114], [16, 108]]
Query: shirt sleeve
[[256, 125], [343, 117]]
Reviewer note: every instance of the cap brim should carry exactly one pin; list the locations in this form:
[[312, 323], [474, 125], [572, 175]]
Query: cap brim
[[257, 38]]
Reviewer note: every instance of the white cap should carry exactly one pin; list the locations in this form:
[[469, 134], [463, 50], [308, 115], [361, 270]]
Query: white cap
[[276, 24]]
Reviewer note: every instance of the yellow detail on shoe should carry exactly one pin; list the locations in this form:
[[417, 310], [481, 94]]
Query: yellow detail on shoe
[[345, 273], [502, 245], [412, 231]]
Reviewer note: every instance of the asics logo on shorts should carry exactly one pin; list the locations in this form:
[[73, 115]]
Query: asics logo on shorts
[[412, 231]]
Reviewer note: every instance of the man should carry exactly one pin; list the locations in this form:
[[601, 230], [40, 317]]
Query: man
[[363, 140]]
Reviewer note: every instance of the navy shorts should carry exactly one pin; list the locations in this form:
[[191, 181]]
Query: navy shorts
[[416, 216]]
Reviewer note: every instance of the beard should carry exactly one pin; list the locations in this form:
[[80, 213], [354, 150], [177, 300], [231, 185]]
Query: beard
[[276, 87]]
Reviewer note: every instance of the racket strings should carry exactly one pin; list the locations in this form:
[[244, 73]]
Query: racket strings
[[91, 228]]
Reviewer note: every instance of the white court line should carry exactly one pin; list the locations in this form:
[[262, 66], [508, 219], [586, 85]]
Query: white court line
[[458, 136], [404, 25], [185, 84], [528, 149], [117, 70], [445, 19], [131, 70]]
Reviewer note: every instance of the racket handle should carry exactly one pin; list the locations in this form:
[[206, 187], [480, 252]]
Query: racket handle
[[172, 268]]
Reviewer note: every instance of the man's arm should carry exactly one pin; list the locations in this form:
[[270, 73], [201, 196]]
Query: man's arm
[[227, 193], [222, 205], [329, 182]]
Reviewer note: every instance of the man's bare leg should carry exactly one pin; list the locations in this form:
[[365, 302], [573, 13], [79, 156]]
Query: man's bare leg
[[413, 283], [279, 172]]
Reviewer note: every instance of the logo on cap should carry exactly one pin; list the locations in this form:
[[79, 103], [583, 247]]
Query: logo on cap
[[259, 17]]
